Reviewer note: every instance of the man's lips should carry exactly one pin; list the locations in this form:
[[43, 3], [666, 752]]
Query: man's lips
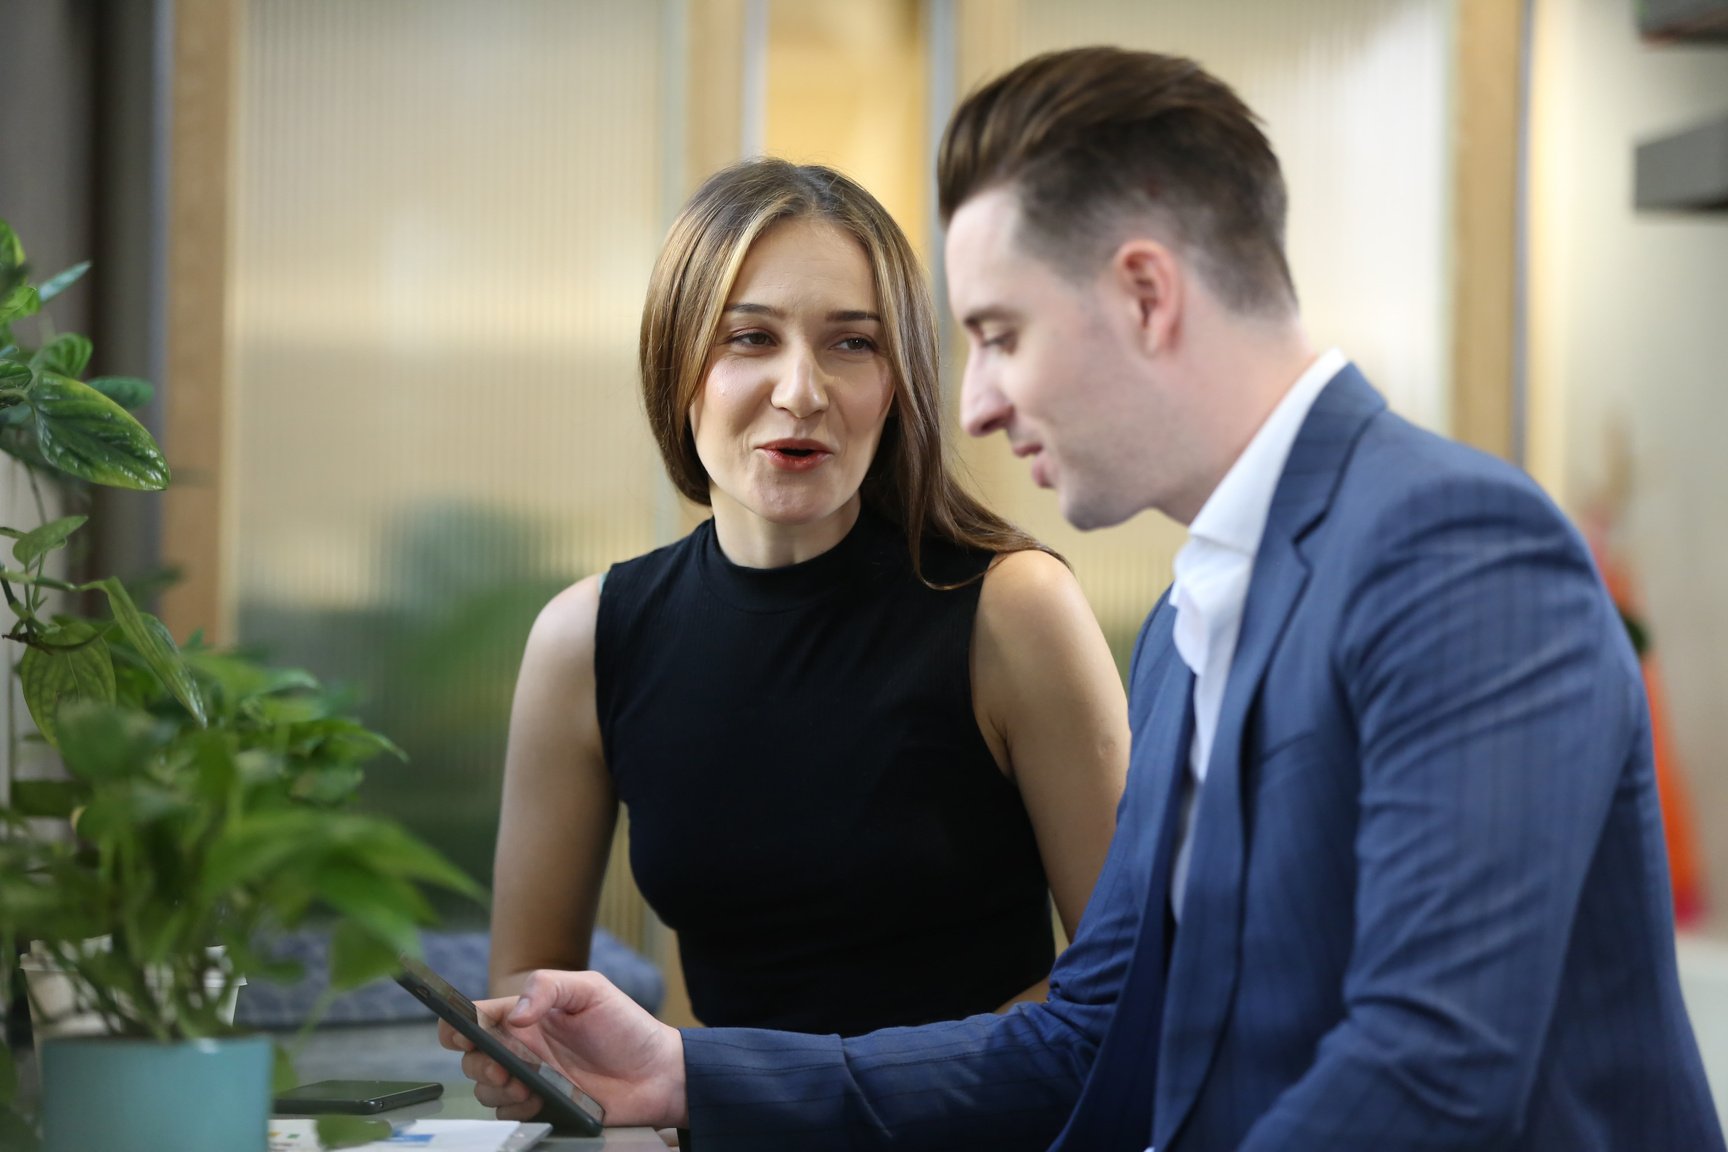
[[1040, 462]]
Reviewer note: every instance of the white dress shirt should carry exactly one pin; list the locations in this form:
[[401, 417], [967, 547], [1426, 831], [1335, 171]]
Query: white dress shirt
[[1212, 572]]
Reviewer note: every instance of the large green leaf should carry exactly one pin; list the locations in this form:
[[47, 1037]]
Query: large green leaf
[[11, 249], [55, 285], [40, 541], [18, 302], [100, 742], [70, 662], [15, 377], [116, 813], [155, 646], [68, 354], [18, 1135], [392, 848], [8, 1079], [17, 577], [48, 799], [350, 1131], [129, 392], [358, 957], [84, 434]]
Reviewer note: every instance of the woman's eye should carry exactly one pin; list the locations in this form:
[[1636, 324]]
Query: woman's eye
[[752, 339], [1003, 341], [858, 344]]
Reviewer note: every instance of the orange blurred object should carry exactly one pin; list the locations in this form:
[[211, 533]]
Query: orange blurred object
[[1685, 867]]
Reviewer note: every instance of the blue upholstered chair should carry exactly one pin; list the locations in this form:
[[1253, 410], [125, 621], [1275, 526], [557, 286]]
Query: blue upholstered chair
[[460, 957]]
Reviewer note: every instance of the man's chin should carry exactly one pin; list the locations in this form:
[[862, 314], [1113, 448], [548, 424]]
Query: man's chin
[[1091, 514]]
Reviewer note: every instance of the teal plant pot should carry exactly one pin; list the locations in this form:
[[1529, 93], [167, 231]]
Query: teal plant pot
[[104, 1094]]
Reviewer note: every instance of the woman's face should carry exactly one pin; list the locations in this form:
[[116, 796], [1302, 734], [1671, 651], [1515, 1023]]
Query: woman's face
[[797, 390]]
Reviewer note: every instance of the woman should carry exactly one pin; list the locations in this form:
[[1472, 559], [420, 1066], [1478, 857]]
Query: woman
[[861, 725]]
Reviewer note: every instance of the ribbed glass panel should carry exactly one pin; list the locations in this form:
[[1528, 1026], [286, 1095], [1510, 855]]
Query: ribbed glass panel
[[1355, 96], [445, 216]]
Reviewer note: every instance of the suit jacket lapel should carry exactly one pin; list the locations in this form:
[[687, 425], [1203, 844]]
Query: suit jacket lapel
[[1203, 966]]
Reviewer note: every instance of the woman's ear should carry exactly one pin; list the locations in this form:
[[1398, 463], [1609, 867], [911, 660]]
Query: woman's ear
[[1150, 283]]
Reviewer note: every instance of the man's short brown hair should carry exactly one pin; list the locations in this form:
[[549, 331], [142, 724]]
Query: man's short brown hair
[[1091, 138]]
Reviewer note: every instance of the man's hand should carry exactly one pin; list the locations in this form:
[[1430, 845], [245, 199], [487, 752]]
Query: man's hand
[[583, 1026]]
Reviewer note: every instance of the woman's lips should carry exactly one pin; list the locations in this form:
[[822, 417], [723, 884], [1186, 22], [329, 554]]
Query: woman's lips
[[795, 455]]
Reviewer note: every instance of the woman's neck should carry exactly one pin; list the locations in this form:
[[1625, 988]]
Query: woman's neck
[[750, 541]]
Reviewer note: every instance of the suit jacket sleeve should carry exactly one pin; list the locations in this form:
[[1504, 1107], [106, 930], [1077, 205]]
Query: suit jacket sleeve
[[1005, 1082], [1484, 666]]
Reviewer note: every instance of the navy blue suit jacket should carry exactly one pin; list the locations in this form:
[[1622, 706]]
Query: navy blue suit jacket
[[1428, 904]]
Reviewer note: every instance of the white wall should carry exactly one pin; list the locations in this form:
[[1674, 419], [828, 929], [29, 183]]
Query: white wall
[[1629, 328]]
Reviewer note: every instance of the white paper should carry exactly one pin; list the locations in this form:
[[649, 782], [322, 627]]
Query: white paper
[[300, 1134]]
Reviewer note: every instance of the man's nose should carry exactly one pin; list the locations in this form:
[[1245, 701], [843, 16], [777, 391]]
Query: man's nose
[[802, 389], [983, 408]]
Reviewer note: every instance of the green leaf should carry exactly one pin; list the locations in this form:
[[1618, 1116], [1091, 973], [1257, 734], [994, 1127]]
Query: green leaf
[[17, 577], [11, 249], [100, 742], [17, 1134], [155, 646], [121, 812], [129, 392], [350, 1131], [327, 785], [48, 799], [18, 303], [70, 663], [15, 376], [392, 848], [358, 957], [46, 538], [282, 1075], [84, 434], [68, 354], [8, 1079], [55, 285]]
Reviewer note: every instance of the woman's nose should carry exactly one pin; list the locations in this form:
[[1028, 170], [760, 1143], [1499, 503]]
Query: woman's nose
[[802, 389]]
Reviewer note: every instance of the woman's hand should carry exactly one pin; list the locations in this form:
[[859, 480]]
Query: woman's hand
[[598, 1037]]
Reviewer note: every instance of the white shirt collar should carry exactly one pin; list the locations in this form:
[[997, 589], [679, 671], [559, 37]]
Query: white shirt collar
[[1235, 514]]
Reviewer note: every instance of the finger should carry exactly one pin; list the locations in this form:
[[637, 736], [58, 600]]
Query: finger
[[449, 1038], [482, 1069], [507, 1095], [525, 1110], [547, 990]]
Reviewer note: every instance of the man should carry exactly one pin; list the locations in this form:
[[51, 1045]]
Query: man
[[1389, 870]]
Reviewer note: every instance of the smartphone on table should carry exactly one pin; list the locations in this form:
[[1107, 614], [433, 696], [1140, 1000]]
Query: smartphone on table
[[356, 1096], [563, 1103]]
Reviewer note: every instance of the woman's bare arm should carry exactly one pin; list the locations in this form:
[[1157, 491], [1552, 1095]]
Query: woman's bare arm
[[559, 808], [1051, 706]]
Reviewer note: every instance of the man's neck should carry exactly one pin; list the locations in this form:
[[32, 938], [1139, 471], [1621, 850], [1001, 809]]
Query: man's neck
[[1251, 366]]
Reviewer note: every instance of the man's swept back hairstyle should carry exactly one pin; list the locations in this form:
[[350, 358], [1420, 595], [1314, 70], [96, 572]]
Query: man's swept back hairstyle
[[1092, 138]]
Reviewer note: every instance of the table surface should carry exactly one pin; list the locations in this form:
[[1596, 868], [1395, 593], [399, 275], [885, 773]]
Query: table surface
[[458, 1103], [411, 1052]]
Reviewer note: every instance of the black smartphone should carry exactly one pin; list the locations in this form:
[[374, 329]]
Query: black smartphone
[[565, 1105], [362, 1096]]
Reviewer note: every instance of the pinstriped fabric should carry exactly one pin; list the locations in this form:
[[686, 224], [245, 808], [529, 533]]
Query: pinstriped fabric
[[1428, 907]]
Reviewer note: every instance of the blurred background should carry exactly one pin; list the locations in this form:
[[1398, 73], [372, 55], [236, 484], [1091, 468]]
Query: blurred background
[[385, 260]]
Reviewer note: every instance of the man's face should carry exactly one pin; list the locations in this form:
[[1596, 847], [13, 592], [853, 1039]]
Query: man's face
[[1055, 365]]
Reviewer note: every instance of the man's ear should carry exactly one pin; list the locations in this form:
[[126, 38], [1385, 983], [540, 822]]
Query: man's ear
[[1150, 282]]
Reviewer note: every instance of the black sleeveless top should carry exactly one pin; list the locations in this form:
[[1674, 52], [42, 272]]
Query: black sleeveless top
[[812, 806]]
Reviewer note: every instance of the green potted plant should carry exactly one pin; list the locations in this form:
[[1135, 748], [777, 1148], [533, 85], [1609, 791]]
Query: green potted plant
[[205, 803]]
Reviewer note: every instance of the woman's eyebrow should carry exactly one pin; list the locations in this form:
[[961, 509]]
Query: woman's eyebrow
[[843, 316]]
